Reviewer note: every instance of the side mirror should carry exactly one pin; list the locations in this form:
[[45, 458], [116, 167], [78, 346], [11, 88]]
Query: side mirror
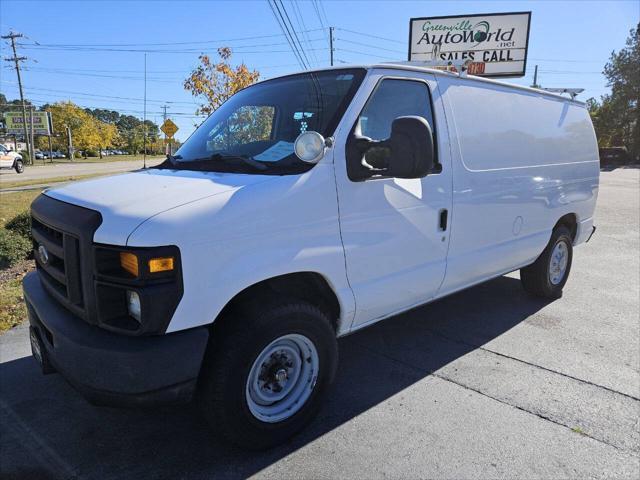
[[411, 148]]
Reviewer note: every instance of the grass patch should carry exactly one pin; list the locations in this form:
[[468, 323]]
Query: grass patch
[[578, 430], [13, 203], [12, 308]]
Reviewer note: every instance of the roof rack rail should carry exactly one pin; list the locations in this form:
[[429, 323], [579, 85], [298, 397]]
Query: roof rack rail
[[573, 92], [454, 66]]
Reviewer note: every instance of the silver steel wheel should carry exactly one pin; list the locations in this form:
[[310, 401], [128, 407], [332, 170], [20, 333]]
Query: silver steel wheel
[[558, 263], [282, 378]]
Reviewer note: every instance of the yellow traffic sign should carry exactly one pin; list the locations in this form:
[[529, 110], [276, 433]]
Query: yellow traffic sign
[[169, 128]]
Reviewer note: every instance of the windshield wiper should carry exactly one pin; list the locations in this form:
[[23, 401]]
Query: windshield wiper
[[221, 157], [170, 162]]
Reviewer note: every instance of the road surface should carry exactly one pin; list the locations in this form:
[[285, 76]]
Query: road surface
[[487, 383], [73, 169]]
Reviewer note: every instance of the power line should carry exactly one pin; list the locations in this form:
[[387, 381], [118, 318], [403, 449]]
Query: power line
[[361, 53], [237, 39], [102, 96], [301, 23], [371, 36], [317, 10], [279, 18], [297, 39], [190, 51], [371, 46]]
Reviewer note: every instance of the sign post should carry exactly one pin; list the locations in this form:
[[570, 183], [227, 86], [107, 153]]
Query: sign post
[[493, 44], [169, 129]]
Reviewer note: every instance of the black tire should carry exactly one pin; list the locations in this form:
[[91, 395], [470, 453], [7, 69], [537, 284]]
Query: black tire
[[235, 346], [536, 278], [18, 166]]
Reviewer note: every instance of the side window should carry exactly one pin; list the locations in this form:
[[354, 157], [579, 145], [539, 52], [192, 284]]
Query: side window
[[391, 99]]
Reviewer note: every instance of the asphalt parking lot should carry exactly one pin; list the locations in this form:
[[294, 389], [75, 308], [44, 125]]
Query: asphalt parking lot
[[487, 383]]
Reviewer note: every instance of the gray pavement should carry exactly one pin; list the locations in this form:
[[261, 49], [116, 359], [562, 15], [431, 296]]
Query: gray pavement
[[76, 168], [487, 383]]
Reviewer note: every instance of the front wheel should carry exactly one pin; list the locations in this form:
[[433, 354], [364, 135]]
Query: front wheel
[[547, 276], [19, 166], [267, 373]]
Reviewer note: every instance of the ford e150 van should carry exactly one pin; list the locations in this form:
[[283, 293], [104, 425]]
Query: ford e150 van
[[305, 208]]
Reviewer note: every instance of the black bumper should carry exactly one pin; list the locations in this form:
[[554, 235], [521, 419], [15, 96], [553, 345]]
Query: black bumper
[[112, 369]]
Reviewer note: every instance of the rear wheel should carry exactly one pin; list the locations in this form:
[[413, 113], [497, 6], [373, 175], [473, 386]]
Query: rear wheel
[[267, 372], [18, 166], [547, 276]]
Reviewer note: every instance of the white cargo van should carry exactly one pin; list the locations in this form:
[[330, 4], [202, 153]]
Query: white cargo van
[[304, 208]]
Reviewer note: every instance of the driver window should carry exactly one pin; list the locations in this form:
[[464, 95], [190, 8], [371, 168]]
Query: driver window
[[391, 99]]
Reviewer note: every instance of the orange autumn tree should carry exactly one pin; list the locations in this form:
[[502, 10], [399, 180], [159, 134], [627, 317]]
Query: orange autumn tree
[[216, 82]]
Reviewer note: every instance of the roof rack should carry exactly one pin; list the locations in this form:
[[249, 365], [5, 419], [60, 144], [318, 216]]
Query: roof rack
[[454, 66], [458, 67], [573, 92]]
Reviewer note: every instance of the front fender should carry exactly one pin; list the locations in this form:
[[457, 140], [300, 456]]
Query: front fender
[[237, 239]]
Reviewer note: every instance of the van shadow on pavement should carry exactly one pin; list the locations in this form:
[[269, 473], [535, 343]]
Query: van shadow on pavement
[[49, 431]]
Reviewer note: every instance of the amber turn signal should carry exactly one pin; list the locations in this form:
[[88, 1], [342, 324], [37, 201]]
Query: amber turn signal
[[162, 264], [129, 262]]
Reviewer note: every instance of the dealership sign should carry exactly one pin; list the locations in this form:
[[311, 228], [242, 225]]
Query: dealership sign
[[14, 123], [494, 44]]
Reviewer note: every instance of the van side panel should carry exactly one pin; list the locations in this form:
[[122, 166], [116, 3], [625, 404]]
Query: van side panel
[[521, 160]]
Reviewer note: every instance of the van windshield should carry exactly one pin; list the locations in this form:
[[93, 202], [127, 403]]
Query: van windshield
[[254, 131]]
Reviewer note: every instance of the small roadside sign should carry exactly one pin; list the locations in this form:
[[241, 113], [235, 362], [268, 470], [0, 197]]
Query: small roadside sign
[[169, 128]]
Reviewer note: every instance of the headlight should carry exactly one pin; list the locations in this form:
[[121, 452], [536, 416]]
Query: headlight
[[137, 289], [133, 305]]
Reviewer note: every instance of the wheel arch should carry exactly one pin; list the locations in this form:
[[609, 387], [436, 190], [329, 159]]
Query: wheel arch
[[308, 286], [570, 220]]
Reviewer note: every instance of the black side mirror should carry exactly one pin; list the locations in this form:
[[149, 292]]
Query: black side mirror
[[411, 148]]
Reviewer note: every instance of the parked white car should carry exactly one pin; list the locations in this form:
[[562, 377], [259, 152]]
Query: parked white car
[[305, 208], [10, 160]]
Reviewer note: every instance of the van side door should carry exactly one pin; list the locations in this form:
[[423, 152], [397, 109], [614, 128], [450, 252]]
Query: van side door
[[395, 231]]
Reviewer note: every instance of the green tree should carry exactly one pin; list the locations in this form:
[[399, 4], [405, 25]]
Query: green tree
[[616, 116]]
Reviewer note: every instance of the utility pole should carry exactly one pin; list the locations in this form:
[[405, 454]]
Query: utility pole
[[33, 140], [331, 45], [144, 118], [16, 59], [70, 144], [535, 78], [167, 150]]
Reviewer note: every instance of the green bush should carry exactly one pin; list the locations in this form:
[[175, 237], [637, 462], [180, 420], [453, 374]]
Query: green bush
[[25, 156], [13, 248], [21, 224]]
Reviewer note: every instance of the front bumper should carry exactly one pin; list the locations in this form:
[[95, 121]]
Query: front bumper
[[112, 369]]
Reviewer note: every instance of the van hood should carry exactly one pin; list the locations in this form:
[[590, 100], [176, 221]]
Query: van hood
[[127, 200]]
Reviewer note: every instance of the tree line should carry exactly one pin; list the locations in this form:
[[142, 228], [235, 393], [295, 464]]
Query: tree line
[[93, 130], [615, 116]]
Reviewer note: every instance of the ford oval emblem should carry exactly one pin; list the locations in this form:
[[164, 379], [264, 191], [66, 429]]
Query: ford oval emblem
[[43, 254]]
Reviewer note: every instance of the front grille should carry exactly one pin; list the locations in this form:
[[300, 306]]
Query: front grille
[[61, 271], [66, 232]]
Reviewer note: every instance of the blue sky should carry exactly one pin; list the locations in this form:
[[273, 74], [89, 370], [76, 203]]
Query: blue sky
[[569, 40]]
